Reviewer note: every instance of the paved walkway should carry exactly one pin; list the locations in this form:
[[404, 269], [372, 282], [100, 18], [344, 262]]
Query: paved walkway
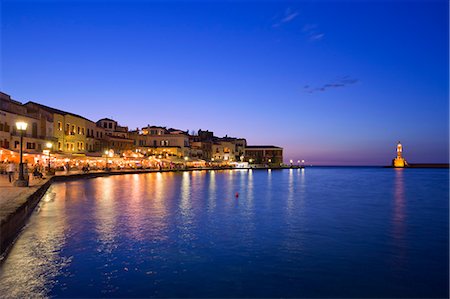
[[11, 198]]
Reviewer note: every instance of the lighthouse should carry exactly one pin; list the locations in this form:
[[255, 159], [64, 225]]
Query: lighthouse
[[399, 161]]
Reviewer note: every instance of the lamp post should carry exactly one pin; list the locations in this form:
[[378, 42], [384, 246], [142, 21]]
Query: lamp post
[[49, 146], [21, 182], [106, 160], [303, 163], [290, 161]]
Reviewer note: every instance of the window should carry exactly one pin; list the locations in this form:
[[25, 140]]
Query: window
[[31, 145], [154, 143], [110, 125], [59, 146], [59, 126], [73, 130], [16, 144], [82, 131], [104, 125], [67, 128]]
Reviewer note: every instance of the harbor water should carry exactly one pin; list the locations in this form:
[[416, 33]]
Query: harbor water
[[314, 232]]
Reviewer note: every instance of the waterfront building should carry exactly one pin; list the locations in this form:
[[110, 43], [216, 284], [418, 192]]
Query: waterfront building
[[96, 142], [78, 140], [69, 129], [155, 140], [399, 161], [201, 144], [117, 137], [112, 128], [38, 133], [264, 154], [224, 150], [213, 148], [239, 145]]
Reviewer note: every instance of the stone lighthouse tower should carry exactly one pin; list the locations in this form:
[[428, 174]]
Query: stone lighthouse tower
[[399, 161]]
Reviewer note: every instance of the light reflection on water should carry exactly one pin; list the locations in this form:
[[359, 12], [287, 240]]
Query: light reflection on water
[[293, 233], [38, 262]]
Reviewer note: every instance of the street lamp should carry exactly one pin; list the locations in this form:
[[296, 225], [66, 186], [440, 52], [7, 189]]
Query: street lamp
[[290, 161], [21, 182], [49, 145], [106, 160], [303, 163]]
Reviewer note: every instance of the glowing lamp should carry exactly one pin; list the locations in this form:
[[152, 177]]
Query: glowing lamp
[[21, 125]]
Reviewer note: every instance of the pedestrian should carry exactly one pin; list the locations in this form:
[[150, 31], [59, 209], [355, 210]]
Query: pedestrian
[[26, 174], [10, 169]]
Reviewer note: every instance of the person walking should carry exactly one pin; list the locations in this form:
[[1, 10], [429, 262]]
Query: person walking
[[10, 169]]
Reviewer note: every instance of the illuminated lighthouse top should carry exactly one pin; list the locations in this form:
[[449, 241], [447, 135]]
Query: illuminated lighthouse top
[[399, 149]]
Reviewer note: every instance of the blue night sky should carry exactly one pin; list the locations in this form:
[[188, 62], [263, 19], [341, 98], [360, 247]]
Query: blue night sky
[[332, 82]]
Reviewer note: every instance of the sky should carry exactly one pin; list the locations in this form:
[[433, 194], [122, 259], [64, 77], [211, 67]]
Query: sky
[[332, 82]]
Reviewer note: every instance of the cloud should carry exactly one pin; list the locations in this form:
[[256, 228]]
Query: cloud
[[289, 16], [312, 32], [342, 82], [318, 36]]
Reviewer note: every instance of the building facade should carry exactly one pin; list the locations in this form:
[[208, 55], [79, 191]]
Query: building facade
[[264, 154], [157, 140], [39, 130]]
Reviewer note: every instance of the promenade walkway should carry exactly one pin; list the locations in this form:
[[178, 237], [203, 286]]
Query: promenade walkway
[[11, 198]]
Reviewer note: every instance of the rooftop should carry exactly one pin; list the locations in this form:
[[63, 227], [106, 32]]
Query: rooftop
[[57, 111], [263, 146]]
